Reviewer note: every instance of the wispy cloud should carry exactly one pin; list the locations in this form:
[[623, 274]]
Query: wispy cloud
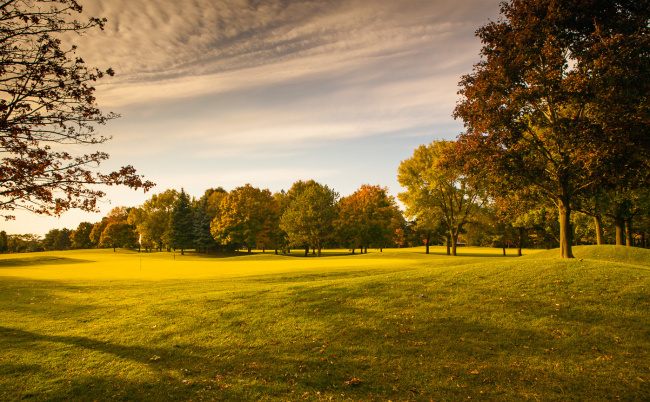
[[169, 49]]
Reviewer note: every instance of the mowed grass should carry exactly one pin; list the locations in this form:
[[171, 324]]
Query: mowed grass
[[398, 325]]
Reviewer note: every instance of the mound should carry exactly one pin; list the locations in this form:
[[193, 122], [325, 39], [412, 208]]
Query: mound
[[622, 254]]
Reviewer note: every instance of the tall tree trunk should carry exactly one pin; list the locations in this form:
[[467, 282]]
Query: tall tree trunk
[[600, 234], [248, 249], [629, 240], [566, 231], [306, 251], [454, 240], [319, 248], [521, 241], [619, 224], [427, 248]]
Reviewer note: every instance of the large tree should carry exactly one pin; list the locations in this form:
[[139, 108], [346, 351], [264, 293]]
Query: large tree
[[245, 217], [309, 218], [436, 192], [151, 220], [81, 236], [559, 99], [47, 109], [365, 218]]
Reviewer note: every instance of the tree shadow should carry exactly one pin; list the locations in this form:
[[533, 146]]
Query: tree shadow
[[29, 262]]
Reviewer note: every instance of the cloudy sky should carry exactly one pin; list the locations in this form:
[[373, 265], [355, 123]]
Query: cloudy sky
[[228, 92]]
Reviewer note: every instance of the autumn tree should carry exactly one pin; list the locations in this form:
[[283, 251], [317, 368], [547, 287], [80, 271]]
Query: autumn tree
[[245, 217], [365, 218], [309, 218], [558, 100], [48, 109], [436, 192]]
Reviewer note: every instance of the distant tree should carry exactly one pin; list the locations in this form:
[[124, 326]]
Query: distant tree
[[81, 236], [50, 239], [180, 223], [151, 220], [245, 217], [201, 226], [47, 108], [118, 234], [559, 100], [96, 232], [309, 218], [4, 242], [436, 192], [57, 239], [365, 217]]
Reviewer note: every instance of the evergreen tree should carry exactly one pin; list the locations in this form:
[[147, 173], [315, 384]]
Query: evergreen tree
[[181, 226]]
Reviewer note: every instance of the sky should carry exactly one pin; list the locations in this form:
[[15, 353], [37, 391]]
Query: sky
[[227, 92]]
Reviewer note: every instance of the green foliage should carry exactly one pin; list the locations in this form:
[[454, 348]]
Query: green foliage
[[309, 218], [436, 193], [180, 223], [81, 236], [118, 234], [57, 239]]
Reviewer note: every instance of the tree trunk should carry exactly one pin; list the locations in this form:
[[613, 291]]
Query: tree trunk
[[353, 250], [566, 231], [504, 249], [619, 224], [248, 250], [306, 251], [600, 234], [454, 240], [427, 248], [629, 240], [182, 251], [427, 241], [521, 241], [319, 248]]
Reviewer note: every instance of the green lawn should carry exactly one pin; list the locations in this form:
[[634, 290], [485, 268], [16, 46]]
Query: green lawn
[[398, 325]]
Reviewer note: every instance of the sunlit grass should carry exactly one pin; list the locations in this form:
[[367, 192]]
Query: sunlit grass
[[397, 325]]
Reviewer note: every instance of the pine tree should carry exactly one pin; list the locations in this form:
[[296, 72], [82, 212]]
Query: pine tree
[[181, 225]]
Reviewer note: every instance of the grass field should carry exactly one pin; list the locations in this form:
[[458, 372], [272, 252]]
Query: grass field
[[398, 325]]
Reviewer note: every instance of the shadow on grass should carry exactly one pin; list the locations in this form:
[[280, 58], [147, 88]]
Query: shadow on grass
[[22, 262]]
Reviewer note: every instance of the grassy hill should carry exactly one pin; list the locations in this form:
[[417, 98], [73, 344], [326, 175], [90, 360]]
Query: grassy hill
[[398, 325]]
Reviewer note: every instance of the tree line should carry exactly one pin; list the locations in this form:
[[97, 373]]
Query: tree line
[[441, 209], [555, 149]]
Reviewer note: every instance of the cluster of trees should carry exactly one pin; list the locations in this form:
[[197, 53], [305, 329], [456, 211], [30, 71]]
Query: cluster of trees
[[557, 116], [309, 215], [556, 149]]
